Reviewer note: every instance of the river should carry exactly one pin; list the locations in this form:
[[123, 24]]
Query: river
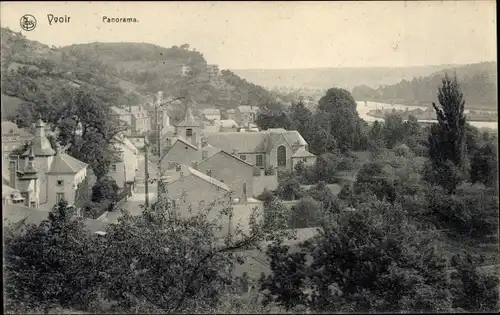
[[364, 109]]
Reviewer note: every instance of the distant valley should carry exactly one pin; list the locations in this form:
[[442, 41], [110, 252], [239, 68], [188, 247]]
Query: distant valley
[[324, 78]]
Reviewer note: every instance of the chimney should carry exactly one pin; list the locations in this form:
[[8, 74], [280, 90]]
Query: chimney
[[194, 164], [194, 139], [13, 164], [209, 173], [244, 199]]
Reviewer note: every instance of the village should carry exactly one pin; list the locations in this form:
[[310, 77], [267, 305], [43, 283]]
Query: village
[[201, 159]]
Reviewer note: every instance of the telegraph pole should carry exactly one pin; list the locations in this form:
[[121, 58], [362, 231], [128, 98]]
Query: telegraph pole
[[146, 173], [158, 142]]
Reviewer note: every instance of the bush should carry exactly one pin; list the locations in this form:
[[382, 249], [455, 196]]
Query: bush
[[305, 213], [105, 189]]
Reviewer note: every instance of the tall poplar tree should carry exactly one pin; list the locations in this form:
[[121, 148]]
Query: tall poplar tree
[[447, 149]]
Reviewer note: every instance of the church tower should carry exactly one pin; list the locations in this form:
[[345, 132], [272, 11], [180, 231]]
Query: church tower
[[44, 155], [28, 181], [189, 128]]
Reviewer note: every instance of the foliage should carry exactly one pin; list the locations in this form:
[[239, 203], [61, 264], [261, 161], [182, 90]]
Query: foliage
[[83, 194], [344, 121], [373, 260], [472, 210], [474, 290], [447, 149], [51, 264], [105, 189], [305, 213], [289, 189], [375, 178]]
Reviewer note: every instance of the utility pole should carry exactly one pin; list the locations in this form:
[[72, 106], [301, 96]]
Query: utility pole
[[158, 141], [146, 173]]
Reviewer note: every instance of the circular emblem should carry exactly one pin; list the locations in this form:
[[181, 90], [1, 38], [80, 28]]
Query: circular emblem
[[28, 22]]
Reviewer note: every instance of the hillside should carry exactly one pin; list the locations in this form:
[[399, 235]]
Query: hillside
[[325, 78], [478, 82], [118, 73], [155, 68]]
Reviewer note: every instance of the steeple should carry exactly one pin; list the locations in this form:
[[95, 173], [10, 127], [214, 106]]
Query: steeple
[[30, 164], [40, 128]]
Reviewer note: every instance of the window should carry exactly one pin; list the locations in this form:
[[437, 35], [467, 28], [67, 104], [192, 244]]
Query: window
[[113, 168], [12, 164], [59, 197], [243, 157], [189, 132], [259, 160], [60, 183], [204, 155], [281, 156], [304, 160]]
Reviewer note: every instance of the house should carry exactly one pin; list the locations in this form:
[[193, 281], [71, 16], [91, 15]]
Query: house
[[13, 138], [11, 195], [306, 157], [231, 170], [181, 152], [227, 125], [141, 121], [185, 70], [263, 149], [46, 176], [245, 115], [213, 71], [124, 169], [123, 116], [211, 114], [190, 190]]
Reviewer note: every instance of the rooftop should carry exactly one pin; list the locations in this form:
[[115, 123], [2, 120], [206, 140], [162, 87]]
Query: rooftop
[[188, 171], [66, 164], [253, 142]]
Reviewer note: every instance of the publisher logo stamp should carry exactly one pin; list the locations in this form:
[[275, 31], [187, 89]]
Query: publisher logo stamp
[[28, 22]]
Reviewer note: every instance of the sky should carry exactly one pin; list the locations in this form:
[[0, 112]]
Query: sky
[[279, 34]]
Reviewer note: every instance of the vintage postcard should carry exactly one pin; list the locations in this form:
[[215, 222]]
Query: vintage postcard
[[249, 157]]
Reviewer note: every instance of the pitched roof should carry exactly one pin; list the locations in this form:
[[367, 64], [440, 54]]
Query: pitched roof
[[125, 142], [189, 120], [187, 171], [253, 142], [41, 147], [14, 214], [227, 123], [302, 153], [211, 111], [9, 127], [119, 111], [66, 164], [229, 154], [243, 142], [247, 109]]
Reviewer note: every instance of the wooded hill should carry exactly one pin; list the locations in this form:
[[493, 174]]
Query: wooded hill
[[477, 81], [118, 73]]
